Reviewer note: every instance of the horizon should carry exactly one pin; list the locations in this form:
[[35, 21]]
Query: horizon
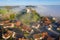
[[45, 10], [46, 7]]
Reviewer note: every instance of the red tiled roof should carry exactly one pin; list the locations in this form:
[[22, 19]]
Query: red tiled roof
[[18, 23], [50, 38], [26, 28], [7, 21], [36, 36]]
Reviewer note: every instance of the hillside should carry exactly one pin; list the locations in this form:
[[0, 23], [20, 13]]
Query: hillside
[[28, 15]]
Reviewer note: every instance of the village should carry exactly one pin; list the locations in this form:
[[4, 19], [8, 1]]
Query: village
[[46, 28]]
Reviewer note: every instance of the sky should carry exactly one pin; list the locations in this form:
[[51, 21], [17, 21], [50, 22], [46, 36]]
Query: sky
[[46, 7], [29, 2], [49, 10]]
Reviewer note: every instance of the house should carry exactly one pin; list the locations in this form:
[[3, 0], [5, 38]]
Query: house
[[1, 23], [50, 38], [47, 21], [22, 39], [9, 25], [26, 28], [28, 10], [18, 23], [32, 31], [53, 18], [58, 28], [6, 21], [37, 37], [44, 34], [40, 36], [36, 26]]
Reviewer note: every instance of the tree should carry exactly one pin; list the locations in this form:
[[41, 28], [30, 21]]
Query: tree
[[12, 16], [3, 11], [36, 16]]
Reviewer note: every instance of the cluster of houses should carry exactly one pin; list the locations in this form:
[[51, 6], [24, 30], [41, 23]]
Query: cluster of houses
[[34, 30]]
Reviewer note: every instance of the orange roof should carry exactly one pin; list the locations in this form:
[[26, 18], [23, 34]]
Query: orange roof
[[50, 38], [29, 29], [22, 39], [36, 36], [26, 28], [44, 34], [18, 23], [46, 18], [7, 21]]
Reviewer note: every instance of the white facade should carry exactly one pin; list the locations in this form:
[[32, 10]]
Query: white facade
[[28, 10]]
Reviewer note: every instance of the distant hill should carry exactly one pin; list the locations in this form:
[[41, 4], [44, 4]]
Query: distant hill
[[28, 15]]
